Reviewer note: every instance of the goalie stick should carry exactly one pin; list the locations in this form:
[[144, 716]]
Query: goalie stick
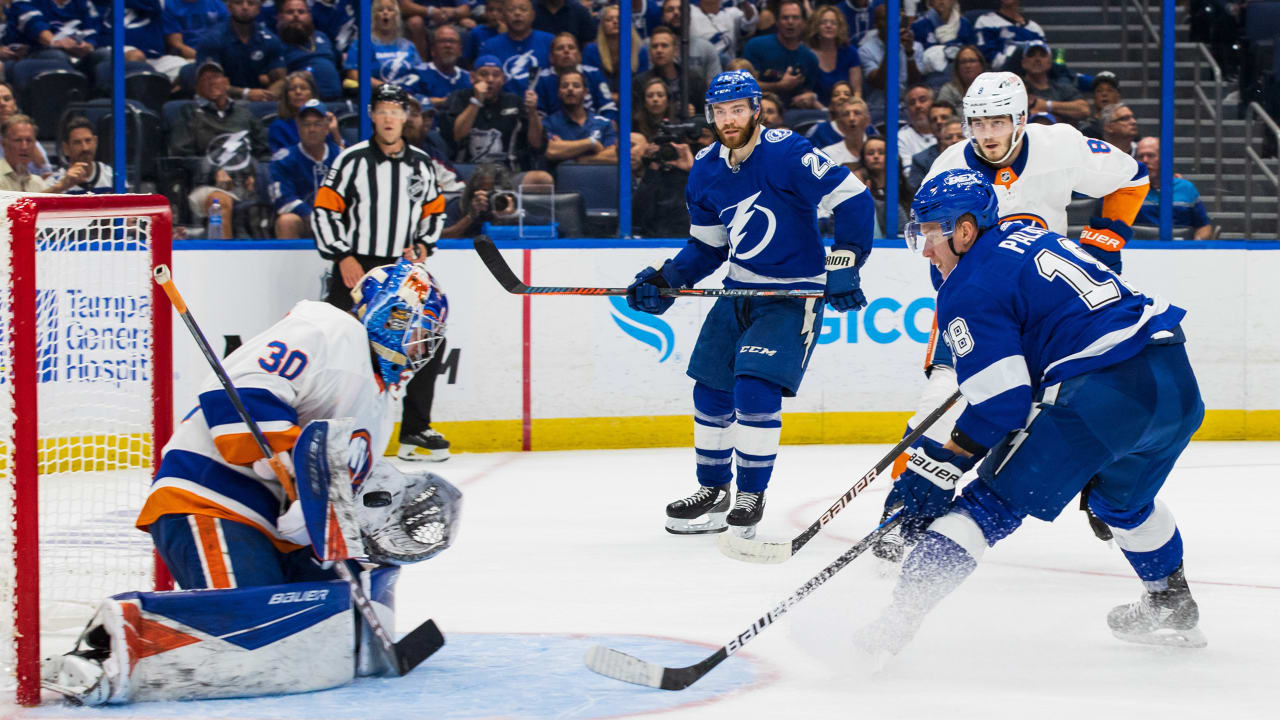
[[769, 553], [413, 648], [502, 272], [621, 666]]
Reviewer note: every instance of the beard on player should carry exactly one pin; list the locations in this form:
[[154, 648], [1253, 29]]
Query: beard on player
[[742, 135]]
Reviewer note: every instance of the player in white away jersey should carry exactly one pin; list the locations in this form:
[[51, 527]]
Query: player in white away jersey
[[1034, 170]]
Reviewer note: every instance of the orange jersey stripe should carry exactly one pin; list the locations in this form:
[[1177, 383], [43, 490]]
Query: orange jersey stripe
[[1124, 204], [329, 199], [242, 449], [435, 207], [175, 501], [216, 571]]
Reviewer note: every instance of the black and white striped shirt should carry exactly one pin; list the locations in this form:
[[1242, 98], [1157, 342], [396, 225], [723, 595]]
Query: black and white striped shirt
[[376, 205]]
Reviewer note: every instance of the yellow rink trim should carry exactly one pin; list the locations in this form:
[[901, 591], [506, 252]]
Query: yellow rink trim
[[100, 453], [797, 429]]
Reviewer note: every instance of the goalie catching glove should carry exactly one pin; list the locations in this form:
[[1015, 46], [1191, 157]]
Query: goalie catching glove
[[361, 507]]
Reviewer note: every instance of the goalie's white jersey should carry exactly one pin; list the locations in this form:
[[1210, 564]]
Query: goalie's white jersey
[[313, 364], [1054, 161]]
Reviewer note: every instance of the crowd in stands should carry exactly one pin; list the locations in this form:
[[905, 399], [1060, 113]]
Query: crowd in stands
[[260, 94]]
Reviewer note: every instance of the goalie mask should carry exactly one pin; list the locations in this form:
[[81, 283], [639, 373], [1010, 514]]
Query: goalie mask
[[405, 518], [404, 311]]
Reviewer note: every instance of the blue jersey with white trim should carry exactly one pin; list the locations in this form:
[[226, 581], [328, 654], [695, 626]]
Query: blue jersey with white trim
[[763, 217], [1027, 308]]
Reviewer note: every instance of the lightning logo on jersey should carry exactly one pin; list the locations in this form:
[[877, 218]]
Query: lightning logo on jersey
[[742, 214]]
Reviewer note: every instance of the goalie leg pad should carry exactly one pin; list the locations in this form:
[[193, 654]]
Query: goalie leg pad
[[218, 643]]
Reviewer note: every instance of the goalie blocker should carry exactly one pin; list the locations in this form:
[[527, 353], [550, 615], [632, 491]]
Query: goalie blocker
[[277, 638]]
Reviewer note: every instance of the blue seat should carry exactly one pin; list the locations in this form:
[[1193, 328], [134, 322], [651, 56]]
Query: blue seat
[[102, 75], [598, 186], [262, 108], [22, 72], [148, 87], [48, 93], [172, 111], [792, 118], [464, 170]]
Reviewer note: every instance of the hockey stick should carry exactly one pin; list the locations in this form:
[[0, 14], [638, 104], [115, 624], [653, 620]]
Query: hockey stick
[[775, 552], [624, 667], [414, 647], [502, 272]]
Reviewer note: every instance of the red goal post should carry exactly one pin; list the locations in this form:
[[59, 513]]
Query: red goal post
[[85, 409]]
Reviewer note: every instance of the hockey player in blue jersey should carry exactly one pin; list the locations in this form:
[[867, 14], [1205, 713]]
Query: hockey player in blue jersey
[[753, 199], [1071, 375]]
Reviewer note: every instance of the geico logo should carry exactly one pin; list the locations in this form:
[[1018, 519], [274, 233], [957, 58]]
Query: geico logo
[[757, 350], [293, 597], [883, 321]]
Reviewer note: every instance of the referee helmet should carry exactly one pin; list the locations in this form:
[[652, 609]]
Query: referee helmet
[[388, 92]]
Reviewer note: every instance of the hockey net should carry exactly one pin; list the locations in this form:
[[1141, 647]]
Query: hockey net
[[84, 409]]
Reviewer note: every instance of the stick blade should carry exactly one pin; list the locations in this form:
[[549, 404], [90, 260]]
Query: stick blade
[[498, 267], [417, 646], [754, 551], [621, 666]]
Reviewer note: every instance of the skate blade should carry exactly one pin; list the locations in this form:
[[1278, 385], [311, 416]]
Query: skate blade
[[701, 525], [1166, 637], [417, 454]]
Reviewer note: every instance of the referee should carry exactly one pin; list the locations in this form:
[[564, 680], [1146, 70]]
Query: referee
[[380, 202]]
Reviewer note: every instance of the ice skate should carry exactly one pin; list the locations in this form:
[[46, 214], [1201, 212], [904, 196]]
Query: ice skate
[[701, 513], [427, 445], [81, 680], [748, 508], [1165, 617]]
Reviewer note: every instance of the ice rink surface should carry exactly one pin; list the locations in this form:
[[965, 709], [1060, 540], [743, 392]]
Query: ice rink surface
[[559, 550]]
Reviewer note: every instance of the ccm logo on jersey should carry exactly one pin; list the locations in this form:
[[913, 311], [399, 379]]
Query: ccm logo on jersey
[[293, 597], [757, 350]]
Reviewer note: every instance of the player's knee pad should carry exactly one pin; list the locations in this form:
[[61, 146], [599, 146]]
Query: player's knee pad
[[992, 514], [222, 643]]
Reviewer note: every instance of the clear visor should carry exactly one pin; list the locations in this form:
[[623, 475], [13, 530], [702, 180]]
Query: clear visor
[[921, 236]]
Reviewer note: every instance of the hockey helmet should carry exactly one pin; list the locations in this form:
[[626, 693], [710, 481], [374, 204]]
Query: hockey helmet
[[993, 94], [945, 198], [389, 92], [732, 85], [404, 311]]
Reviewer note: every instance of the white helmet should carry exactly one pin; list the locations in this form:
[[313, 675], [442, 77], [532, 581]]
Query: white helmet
[[993, 94]]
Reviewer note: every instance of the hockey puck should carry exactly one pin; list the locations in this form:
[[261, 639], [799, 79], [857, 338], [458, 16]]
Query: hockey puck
[[377, 498]]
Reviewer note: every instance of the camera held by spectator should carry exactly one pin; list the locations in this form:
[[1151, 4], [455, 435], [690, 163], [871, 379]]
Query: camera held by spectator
[[669, 133]]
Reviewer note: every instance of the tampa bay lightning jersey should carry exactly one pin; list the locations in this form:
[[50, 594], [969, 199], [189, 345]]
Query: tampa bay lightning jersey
[[1026, 308], [762, 217]]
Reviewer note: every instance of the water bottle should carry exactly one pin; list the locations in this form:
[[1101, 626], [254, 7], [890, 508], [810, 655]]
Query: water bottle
[[1059, 56], [215, 221]]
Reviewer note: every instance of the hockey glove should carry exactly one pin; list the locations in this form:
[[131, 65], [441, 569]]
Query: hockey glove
[[929, 482], [844, 291], [643, 294], [1104, 238]]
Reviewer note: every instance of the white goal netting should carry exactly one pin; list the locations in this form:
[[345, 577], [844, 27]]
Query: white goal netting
[[94, 412]]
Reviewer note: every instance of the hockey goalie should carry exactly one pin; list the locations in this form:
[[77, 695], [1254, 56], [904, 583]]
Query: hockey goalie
[[259, 612]]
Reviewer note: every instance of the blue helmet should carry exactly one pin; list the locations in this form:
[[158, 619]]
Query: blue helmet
[[732, 85], [404, 311], [946, 197]]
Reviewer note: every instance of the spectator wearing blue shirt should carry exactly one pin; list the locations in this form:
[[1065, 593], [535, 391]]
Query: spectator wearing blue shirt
[[1188, 208], [560, 16], [872, 53], [395, 59], [419, 18], [827, 35], [1001, 33], [67, 30], [299, 91], [494, 11], [573, 133], [443, 75], [521, 48], [299, 171], [857, 13], [252, 57], [148, 32], [337, 20], [783, 63], [192, 18], [942, 31], [308, 49], [565, 58], [603, 52]]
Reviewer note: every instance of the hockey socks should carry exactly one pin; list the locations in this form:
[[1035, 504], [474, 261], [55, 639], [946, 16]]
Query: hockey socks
[[758, 410], [1149, 539], [713, 434]]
